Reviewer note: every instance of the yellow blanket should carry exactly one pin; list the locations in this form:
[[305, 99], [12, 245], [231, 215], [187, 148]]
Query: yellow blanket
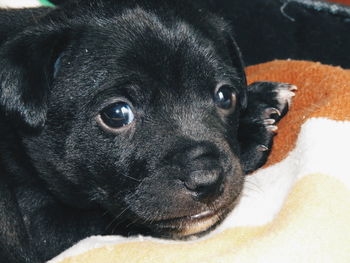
[[295, 209]]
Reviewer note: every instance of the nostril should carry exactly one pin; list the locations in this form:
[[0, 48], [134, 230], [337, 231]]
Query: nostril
[[204, 183]]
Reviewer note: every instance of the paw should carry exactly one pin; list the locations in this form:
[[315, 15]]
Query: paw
[[268, 102], [269, 118], [277, 100], [280, 103]]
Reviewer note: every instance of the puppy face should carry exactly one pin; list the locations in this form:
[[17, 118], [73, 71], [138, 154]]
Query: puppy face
[[141, 119]]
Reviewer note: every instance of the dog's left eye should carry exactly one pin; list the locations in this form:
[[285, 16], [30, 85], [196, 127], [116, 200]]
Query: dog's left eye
[[225, 97], [117, 115]]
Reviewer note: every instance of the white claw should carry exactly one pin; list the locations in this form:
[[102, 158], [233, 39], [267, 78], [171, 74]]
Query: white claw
[[272, 128], [262, 148], [272, 110], [269, 121]]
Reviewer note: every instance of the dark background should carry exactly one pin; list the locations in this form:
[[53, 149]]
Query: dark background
[[282, 29]]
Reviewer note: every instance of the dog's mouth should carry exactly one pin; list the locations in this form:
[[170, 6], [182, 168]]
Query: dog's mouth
[[194, 225]]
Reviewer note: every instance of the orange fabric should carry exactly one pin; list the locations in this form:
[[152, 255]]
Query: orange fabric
[[344, 2], [324, 91]]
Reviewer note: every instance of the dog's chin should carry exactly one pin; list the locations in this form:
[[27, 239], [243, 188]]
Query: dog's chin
[[189, 227]]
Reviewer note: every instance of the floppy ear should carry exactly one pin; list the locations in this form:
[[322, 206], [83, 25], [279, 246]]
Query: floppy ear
[[26, 72], [237, 62]]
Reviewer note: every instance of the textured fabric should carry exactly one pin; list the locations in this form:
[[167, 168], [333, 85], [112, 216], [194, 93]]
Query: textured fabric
[[19, 3], [299, 210]]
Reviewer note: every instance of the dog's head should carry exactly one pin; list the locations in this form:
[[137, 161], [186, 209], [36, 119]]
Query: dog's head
[[136, 114]]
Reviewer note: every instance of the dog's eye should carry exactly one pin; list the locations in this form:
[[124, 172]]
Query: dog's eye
[[117, 115], [225, 97]]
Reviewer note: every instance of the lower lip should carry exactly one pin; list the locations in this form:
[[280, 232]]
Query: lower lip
[[192, 225], [198, 226]]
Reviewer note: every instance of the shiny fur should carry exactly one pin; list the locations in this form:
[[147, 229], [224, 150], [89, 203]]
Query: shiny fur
[[175, 172]]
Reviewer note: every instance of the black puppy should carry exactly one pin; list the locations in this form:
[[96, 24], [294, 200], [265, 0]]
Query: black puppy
[[123, 118]]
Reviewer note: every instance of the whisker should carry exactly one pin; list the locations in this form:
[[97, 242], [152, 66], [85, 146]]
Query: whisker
[[251, 185], [133, 222], [115, 219], [133, 178]]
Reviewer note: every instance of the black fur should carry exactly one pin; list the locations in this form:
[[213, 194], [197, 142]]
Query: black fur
[[64, 177]]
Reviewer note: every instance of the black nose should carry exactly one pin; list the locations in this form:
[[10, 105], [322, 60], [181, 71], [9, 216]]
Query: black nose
[[206, 185], [202, 173]]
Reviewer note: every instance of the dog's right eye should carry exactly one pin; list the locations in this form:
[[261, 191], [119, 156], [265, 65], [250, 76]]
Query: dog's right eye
[[116, 115], [225, 98]]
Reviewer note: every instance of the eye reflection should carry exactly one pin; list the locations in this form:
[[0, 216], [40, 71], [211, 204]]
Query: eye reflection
[[117, 115], [225, 97]]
